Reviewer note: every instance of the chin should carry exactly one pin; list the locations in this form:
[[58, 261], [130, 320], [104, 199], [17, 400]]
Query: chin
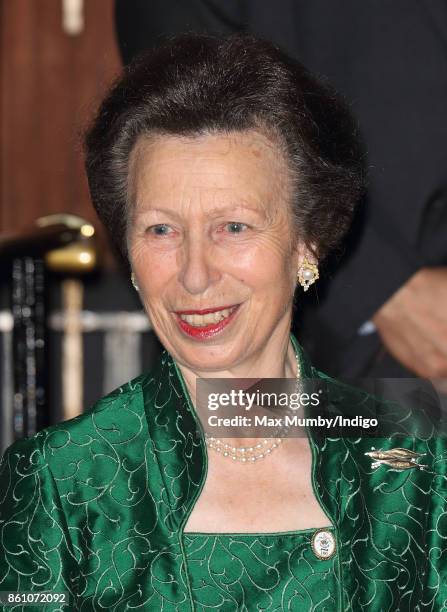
[[207, 359]]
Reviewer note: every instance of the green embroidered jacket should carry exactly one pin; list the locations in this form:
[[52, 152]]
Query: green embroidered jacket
[[96, 506]]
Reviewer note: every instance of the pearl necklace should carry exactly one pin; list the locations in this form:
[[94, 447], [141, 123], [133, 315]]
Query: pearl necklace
[[248, 454]]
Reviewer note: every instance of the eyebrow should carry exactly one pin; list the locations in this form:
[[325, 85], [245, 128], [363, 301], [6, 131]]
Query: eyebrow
[[216, 209]]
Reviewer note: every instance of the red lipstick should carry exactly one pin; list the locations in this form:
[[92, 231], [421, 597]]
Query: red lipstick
[[208, 331]]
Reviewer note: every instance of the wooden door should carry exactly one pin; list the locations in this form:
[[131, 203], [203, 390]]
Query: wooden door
[[51, 81]]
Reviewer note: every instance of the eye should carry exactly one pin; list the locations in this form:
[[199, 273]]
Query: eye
[[236, 227], [159, 230]]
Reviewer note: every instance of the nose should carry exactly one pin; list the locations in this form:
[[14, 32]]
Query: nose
[[198, 267]]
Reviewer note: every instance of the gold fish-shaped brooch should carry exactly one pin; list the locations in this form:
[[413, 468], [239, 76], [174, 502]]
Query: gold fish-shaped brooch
[[396, 458]]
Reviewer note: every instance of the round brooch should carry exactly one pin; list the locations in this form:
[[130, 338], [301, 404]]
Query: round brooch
[[323, 544]]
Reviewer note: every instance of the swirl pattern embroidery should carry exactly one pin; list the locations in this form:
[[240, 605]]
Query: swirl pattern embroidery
[[95, 506], [274, 572]]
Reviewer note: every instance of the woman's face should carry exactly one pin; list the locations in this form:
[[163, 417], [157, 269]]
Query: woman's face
[[210, 230]]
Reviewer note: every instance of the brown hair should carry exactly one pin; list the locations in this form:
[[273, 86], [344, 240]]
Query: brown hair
[[195, 84]]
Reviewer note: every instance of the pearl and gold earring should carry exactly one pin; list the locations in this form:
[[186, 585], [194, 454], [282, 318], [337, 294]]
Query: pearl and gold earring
[[132, 278], [307, 273]]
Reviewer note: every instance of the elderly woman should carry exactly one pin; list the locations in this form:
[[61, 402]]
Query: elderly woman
[[225, 173]]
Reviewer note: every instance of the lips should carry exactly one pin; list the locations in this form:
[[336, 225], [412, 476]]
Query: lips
[[206, 323]]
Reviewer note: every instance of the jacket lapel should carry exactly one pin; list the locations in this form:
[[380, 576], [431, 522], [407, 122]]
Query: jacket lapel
[[177, 444]]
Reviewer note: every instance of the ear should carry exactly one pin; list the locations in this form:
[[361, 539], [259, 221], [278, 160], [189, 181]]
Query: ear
[[303, 251]]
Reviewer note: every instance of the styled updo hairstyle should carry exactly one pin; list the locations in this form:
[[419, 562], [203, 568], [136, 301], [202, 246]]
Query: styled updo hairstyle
[[196, 84]]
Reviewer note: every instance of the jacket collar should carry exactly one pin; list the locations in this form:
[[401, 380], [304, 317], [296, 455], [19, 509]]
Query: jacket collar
[[178, 441]]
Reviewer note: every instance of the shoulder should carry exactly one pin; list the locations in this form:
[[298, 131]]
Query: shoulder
[[348, 397], [390, 414], [407, 406], [106, 422]]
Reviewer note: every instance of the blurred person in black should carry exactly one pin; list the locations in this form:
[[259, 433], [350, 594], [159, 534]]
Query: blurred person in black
[[384, 312]]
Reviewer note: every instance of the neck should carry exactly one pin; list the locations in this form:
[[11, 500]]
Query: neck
[[277, 359]]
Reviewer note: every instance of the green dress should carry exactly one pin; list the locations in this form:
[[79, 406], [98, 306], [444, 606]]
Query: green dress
[[265, 571], [96, 507]]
